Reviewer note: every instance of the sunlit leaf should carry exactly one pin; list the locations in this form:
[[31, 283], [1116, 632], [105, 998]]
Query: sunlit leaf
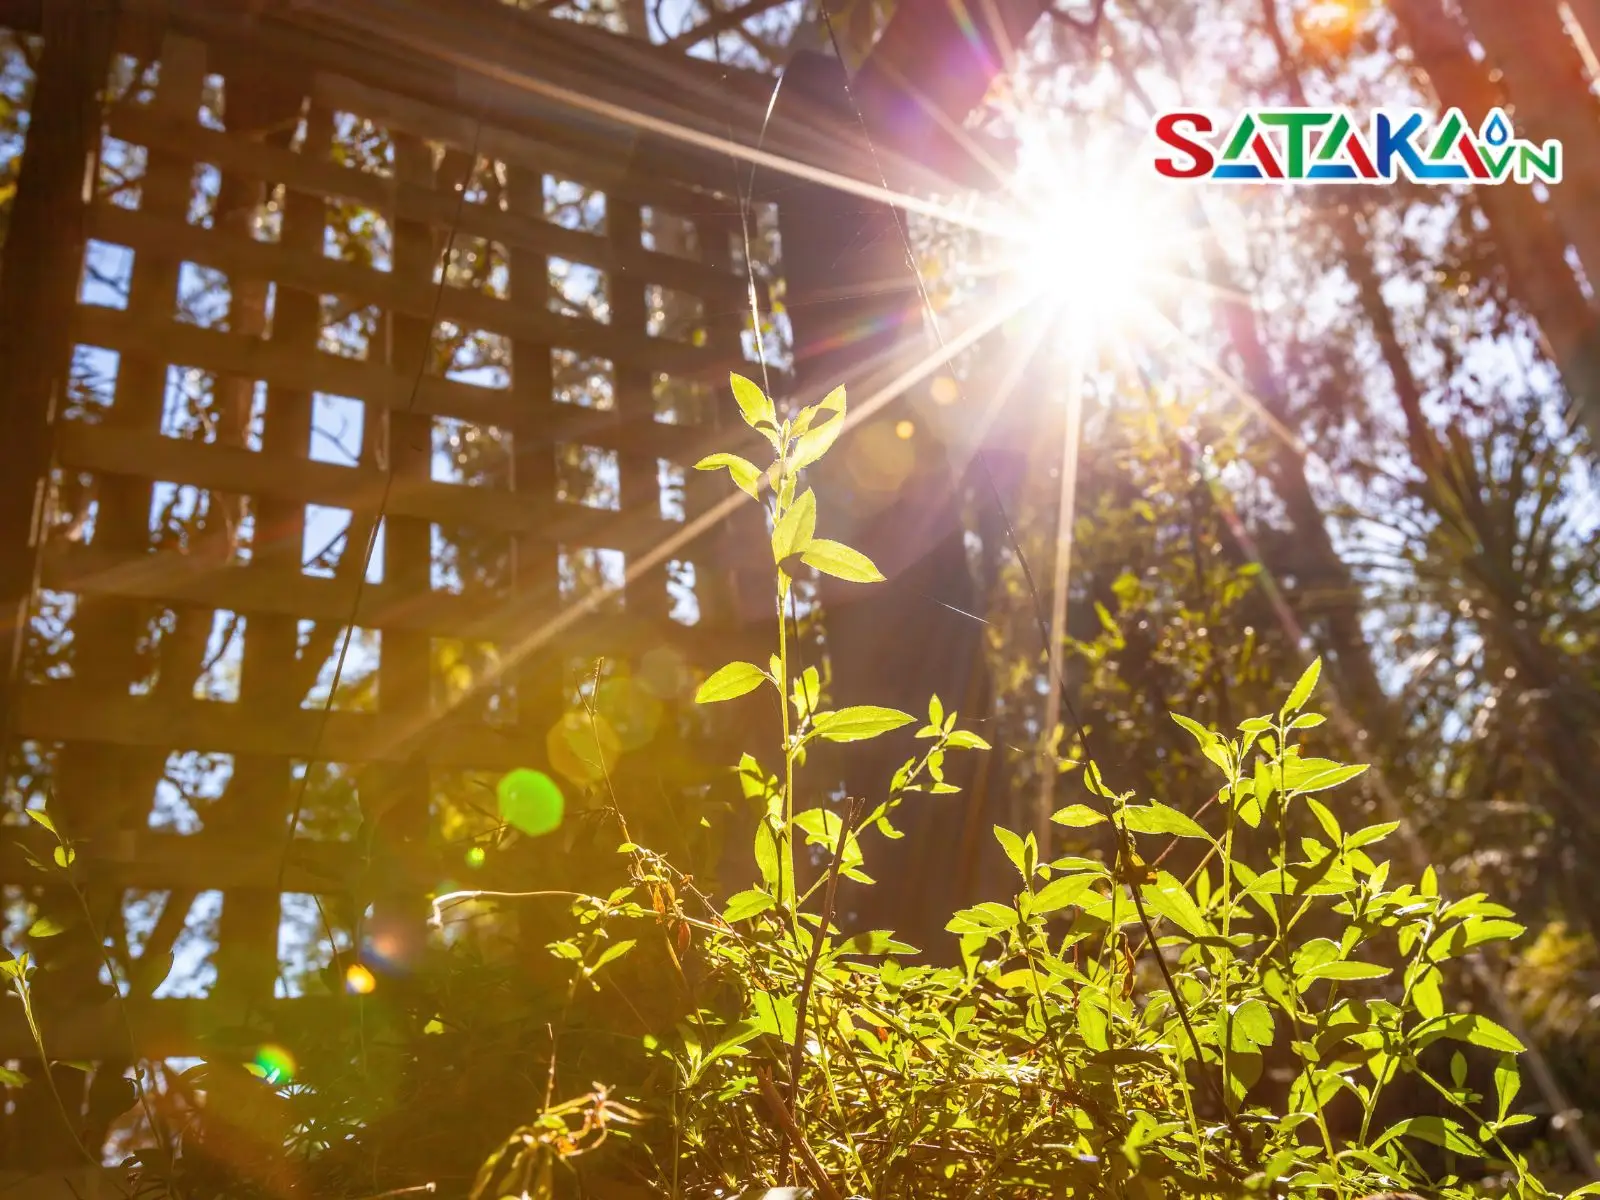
[[1160, 818], [792, 534], [965, 739], [1440, 1131], [730, 682], [746, 475], [840, 561], [1077, 816], [746, 904], [1344, 969], [1063, 892], [815, 441], [754, 405], [860, 722], [1302, 690]]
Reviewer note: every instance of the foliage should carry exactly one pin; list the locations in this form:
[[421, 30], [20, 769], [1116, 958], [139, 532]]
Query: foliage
[[1231, 1024]]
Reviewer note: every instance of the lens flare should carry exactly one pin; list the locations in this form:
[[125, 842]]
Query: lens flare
[[277, 1065], [531, 802]]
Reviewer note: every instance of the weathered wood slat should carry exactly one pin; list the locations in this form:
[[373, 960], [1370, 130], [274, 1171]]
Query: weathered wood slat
[[240, 471], [56, 712], [160, 1028], [264, 260], [377, 384], [202, 861], [408, 202], [171, 578]]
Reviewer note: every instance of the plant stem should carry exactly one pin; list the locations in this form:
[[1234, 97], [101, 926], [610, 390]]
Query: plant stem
[[795, 1139]]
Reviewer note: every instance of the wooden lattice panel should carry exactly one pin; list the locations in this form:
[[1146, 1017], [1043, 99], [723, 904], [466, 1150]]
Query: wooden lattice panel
[[231, 320]]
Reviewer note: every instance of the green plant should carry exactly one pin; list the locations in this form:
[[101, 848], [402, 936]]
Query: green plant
[[1117, 1027]]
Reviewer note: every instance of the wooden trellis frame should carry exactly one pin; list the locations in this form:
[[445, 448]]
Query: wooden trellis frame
[[458, 87], [112, 743]]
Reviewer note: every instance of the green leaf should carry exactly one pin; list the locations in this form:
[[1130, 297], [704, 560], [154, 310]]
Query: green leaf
[[46, 927], [767, 853], [730, 682], [746, 475], [1302, 690], [65, 856], [612, 952], [1202, 736], [1372, 833], [1015, 848], [746, 904], [1077, 816], [43, 818], [1427, 994], [965, 739], [1169, 898], [10, 1078], [988, 917], [876, 941], [1473, 1028], [840, 561], [793, 532], [1160, 818], [567, 950], [1507, 1082], [1317, 775], [1344, 969], [815, 441], [1093, 1025], [1440, 1131], [754, 406], [1253, 1020], [774, 1015], [1061, 893], [859, 722]]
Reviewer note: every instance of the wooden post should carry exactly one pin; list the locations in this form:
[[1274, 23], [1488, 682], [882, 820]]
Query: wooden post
[[38, 293], [39, 288]]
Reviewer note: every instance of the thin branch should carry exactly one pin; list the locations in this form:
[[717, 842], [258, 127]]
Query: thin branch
[[791, 1131]]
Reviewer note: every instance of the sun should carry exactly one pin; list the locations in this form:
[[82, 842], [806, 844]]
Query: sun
[[1091, 240]]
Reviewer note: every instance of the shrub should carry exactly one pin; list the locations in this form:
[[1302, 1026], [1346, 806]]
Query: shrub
[[1118, 1027]]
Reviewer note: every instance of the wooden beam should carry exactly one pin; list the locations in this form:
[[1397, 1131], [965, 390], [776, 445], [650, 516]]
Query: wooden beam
[[498, 618], [373, 383], [359, 489], [162, 1028], [64, 712], [391, 197], [239, 258]]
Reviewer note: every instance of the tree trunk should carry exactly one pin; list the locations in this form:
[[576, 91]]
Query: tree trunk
[[1532, 247], [1545, 78]]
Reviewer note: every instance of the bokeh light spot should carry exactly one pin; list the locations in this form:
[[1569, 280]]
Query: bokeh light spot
[[633, 713], [665, 672], [530, 802], [583, 747], [904, 430], [476, 856], [879, 459], [945, 390], [359, 981]]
